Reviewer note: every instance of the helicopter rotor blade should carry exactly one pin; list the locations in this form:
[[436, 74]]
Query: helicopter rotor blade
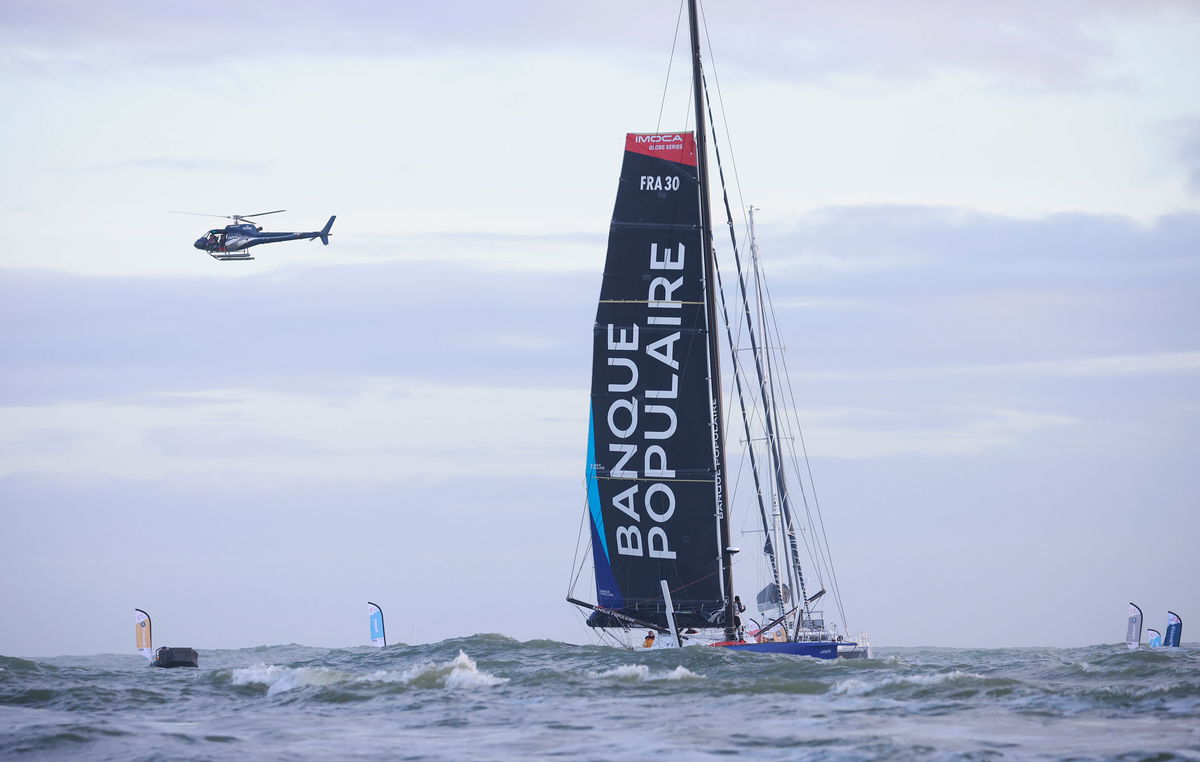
[[260, 214], [202, 214]]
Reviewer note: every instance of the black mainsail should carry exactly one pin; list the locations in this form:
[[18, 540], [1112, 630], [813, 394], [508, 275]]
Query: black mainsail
[[652, 486]]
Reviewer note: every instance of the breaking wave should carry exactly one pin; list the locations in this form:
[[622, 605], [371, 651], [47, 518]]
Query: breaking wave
[[460, 672], [857, 687], [642, 673]]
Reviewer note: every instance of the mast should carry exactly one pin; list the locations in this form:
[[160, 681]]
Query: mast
[[714, 346]]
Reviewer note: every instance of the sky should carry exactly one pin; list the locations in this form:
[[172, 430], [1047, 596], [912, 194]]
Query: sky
[[981, 223]]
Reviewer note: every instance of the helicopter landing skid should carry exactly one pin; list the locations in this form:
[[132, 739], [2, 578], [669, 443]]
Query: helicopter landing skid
[[231, 256]]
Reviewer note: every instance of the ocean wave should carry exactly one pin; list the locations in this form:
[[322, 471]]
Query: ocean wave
[[857, 687], [642, 673], [13, 664], [461, 672]]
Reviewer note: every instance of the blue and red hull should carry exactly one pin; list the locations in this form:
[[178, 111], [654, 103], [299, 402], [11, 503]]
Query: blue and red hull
[[821, 649]]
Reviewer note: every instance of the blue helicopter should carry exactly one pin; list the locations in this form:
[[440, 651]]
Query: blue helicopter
[[232, 241]]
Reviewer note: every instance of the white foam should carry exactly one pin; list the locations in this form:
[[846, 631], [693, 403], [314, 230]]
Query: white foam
[[459, 673], [279, 679], [464, 674], [626, 672], [855, 687], [642, 673]]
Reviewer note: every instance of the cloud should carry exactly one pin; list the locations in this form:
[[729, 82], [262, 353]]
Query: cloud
[[872, 434], [70, 337], [1079, 367], [377, 428], [227, 441], [168, 164], [1059, 45], [1187, 136], [881, 287], [940, 245]]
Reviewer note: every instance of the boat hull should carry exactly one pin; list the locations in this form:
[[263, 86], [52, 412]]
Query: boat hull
[[815, 649], [176, 657]]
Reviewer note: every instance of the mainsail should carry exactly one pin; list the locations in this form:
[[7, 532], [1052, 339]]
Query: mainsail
[[375, 620], [142, 634], [1174, 630], [653, 494], [1133, 633]]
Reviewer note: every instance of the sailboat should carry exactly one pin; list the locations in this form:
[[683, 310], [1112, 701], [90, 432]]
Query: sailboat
[[658, 502]]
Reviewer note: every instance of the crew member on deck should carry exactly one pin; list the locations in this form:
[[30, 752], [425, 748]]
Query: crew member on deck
[[649, 641]]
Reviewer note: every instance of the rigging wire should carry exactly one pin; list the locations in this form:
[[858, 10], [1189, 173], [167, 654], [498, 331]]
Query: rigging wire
[[770, 548], [577, 563], [836, 588], [737, 378], [822, 556], [737, 181]]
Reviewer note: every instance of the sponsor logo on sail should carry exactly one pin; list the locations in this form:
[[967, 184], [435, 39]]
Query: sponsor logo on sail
[[644, 423]]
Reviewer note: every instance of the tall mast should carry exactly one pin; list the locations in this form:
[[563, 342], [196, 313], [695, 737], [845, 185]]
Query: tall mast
[[714, 345]]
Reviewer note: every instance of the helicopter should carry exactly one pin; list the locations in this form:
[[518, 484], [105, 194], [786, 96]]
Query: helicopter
[[232, 241]]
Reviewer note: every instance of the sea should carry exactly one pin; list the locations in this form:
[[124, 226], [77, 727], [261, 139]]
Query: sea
[[489, 697]]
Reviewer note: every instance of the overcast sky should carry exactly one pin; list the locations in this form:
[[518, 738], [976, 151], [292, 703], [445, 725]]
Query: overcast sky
[[981, 222]]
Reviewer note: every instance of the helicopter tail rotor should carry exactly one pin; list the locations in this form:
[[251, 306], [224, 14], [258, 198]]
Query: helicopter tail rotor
[[325, 230]]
